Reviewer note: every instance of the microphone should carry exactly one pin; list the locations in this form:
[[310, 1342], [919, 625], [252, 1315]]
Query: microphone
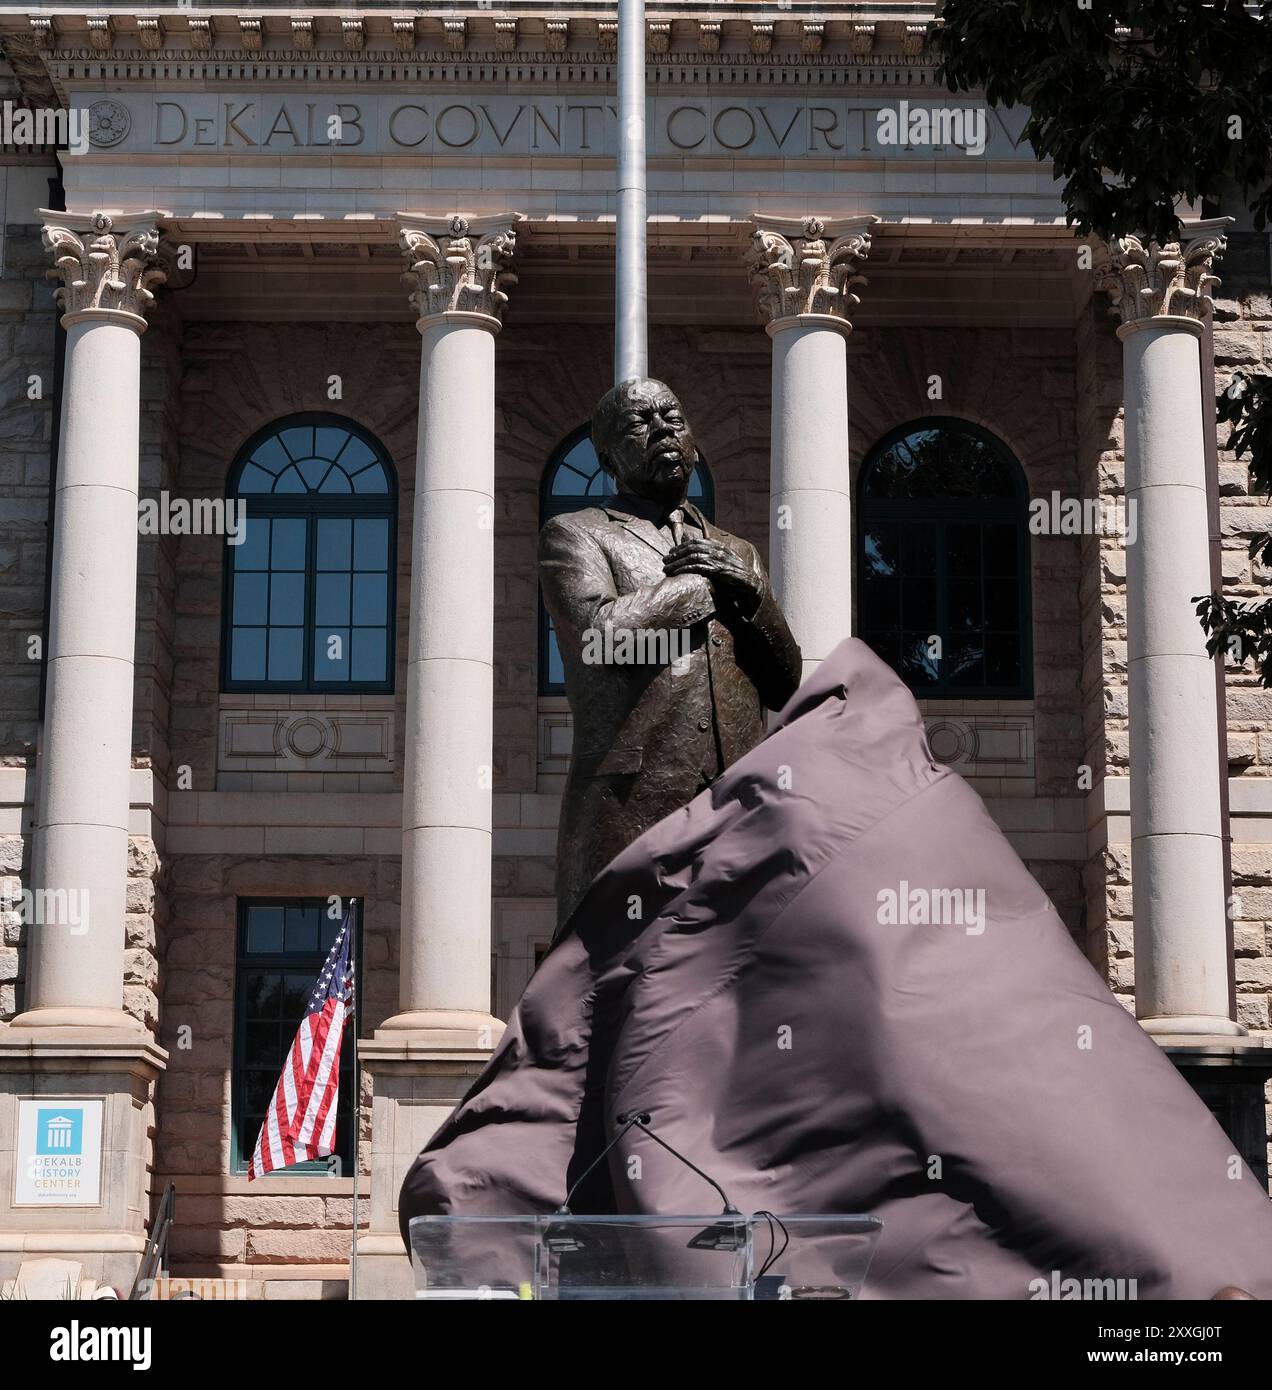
[[722, 1235]]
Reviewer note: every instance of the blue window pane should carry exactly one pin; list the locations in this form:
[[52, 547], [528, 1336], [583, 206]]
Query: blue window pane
[[290, 481], [247, 654], [371, 544], [334, 541], [331, 600], [336, 481], [357, 454], [370, 599], [285, 654], [299, 441], [556, 667], [264, 930], [249, 598], [371, 480], [252, 552], [313, 471], [271, 456], [329, 443], [331, 654], [287, 543], [253, 479], [369, 653], [301, 930], [287, 600]]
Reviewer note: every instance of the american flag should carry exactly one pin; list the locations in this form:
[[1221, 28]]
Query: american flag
[[301, 1121]]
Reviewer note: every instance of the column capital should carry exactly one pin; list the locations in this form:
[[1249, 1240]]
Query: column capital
[[459, 267], [1149, 281], [106, 264], [809, 267]]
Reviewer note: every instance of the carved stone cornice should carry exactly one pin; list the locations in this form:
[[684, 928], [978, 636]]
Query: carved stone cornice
[[804, 266], [105, 264], [464, 269], [101, 32], [1147, 280]]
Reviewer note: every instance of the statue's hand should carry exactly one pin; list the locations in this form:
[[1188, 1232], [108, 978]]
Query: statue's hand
[[728, 573]]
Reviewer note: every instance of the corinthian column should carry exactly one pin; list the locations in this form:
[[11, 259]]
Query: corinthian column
[[807, 271], [105, 267], [1162, 294], [460, 274]]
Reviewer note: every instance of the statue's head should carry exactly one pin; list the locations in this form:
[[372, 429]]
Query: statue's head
[[644, 442]]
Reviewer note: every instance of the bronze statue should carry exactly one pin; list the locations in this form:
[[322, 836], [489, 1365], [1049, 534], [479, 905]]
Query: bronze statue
[[671, 639]]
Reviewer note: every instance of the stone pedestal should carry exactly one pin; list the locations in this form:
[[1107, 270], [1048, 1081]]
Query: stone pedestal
[[416, 1085], [119, 1068]]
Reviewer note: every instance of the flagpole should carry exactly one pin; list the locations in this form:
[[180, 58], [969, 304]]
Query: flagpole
[[357, 1103], [631, 353]]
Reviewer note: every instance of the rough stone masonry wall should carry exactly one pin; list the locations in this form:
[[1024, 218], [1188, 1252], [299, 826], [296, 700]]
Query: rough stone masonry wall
[[1243, 340], [146, 903], [1102, 598]]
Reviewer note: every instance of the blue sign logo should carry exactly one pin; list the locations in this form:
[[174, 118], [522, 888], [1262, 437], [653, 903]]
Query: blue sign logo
[[60, 1131]]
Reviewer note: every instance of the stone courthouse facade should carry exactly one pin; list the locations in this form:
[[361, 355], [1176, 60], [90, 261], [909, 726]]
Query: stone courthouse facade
[[356, 694]]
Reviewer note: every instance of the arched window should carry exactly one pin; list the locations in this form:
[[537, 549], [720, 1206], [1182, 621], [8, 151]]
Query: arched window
[[574, 479], [944, 561], [309, 591]]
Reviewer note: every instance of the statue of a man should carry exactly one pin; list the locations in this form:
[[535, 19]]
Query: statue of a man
[[672, 642]]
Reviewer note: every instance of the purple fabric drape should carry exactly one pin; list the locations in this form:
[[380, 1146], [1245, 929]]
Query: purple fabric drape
[[833, 985]]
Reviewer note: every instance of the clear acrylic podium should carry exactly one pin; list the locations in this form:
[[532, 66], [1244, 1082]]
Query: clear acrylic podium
[[723, 1257]]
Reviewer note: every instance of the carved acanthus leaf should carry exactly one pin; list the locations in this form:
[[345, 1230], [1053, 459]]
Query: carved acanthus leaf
[[799, 273], [104, 269], [1146, 279], [460, 270]]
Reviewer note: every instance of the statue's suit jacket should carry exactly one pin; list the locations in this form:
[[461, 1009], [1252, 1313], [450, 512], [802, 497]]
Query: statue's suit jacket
[[649, 737]]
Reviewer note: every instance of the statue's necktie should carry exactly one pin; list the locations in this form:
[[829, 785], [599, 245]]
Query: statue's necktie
[[676, 521]]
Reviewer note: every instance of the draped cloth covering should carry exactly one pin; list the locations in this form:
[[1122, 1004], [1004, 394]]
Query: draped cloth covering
[[740, 972]]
